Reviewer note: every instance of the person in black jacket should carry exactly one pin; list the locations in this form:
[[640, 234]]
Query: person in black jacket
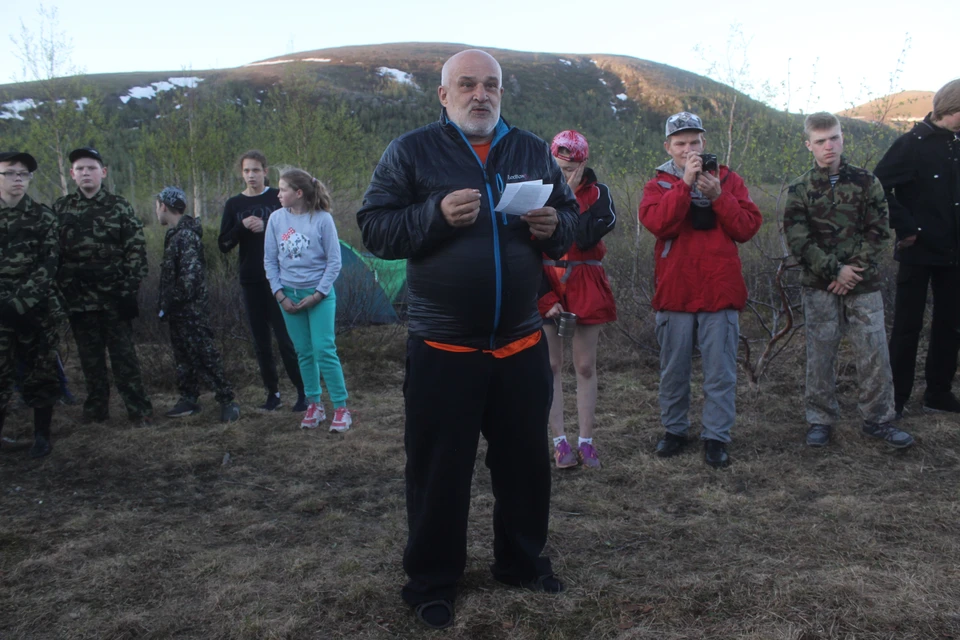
[[244, 219], [476, 362], [920, 174]]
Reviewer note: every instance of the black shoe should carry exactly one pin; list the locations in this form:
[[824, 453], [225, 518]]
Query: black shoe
[[436, 614], [818, 435], [229, 412], [543, 584], [273, 402], [184, 407], [715, 454], [670, 445], [941, 403], [889, 434], [301, 405]]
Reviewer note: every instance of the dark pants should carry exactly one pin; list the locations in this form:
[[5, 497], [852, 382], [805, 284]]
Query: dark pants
[[96, 333], [197, 358], [451, 398], [34, 345], [263, 314], [912, 281]]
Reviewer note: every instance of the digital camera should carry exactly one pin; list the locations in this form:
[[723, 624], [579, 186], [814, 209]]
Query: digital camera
[[710, 162]]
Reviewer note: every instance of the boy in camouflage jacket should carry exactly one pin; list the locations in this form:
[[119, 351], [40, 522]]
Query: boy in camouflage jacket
[[103, 258], [836, 225], [29, 307], [183, 304]]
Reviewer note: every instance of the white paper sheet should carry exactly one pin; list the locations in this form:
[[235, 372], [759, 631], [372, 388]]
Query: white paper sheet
[[521, 197]]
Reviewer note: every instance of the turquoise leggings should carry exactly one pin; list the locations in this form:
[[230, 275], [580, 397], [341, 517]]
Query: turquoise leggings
[[314, 338]]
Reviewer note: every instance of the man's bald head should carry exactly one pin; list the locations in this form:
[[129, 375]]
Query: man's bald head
[[469, 59], [470, 90]]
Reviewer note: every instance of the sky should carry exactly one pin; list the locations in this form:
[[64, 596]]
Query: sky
[[814, 56]]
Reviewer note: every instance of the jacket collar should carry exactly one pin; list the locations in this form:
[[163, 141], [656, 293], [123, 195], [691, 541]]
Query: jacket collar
[[99, 196], [824, 172]]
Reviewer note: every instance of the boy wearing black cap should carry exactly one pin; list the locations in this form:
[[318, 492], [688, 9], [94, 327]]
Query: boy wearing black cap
[[103, 258], [183, 303], [29, 308]]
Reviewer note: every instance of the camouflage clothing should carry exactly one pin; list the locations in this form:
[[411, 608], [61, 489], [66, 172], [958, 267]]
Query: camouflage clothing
[[29, 307], [103, 255], [102, 261], [828, 227], [828, 318], [183, 301]]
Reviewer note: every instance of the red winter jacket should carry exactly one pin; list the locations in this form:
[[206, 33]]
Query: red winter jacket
[[583, 289], [698, 270]]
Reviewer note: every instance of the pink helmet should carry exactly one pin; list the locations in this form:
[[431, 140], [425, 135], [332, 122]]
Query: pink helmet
[[577, 148]]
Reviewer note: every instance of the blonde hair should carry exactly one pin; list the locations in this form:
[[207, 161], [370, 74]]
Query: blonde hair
[[946, 101], [314, 192], [820, 121]]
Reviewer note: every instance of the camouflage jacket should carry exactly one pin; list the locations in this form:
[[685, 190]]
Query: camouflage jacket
[[28, 258], [183, 286], [103, 254], [828, 227]]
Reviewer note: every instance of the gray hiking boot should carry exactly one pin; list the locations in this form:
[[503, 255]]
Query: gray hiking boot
[[889, 434]]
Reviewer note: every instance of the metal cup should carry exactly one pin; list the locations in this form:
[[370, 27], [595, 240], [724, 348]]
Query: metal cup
[[567, 324]]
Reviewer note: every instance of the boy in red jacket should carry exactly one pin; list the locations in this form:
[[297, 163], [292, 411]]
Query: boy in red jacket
[[698, 215]]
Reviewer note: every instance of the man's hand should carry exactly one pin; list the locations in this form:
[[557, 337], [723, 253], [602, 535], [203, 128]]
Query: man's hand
[[542, 222], [460, 208], [554, 311], [708, 184], [909, 241], [849, 277], [837, 288], [310, 301], [693, 169], [253, 223]]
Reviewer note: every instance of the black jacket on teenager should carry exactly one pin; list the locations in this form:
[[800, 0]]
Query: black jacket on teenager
[[920, 174], [472, 286]]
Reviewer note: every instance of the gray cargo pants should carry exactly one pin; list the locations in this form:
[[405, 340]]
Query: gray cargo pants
[[717, 334], [859, 317]]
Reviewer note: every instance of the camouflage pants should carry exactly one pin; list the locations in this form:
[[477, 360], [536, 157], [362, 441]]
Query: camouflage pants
[[859, 317], [36, 348], [96, 333], [196, 357]]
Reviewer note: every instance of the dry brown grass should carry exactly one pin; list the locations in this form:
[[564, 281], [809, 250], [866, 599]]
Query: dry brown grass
[[147, 533]]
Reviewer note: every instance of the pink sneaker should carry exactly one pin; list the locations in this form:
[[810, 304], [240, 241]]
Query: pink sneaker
[[564, 456], [341, 420], [587, 455], [313, 417]]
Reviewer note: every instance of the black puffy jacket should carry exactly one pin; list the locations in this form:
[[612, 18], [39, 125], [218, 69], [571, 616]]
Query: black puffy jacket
[[920, 174], [472, 286]]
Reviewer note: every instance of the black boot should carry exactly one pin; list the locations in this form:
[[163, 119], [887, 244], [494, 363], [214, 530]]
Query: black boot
[[42, 416]]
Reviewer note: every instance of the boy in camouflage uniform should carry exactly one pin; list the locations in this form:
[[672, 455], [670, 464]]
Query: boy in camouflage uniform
[[29, 308], [183, 303], [103, 258], [836, 224]]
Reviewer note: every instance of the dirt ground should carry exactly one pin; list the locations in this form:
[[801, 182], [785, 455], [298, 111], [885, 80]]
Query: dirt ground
[[194, 529]]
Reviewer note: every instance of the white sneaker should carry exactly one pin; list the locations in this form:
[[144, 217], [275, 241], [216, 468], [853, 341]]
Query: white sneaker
[[341, 420], [313, 417]]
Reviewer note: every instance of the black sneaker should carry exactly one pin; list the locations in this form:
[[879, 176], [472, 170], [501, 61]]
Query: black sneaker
[[543, 584], [941, 403], [818, 435], [301, 405], [715, 454], [273, 402], [670, 445], [889, 434], [184, 407], [229, 412]]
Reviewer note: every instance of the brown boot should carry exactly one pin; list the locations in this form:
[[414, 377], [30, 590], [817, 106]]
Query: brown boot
[[42, 417]]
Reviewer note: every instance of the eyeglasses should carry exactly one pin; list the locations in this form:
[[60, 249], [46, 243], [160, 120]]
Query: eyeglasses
[[13, 175]]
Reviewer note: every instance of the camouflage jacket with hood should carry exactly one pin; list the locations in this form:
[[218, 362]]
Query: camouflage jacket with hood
[[828, 227], [103, 254], [183, 285], [28, 259]]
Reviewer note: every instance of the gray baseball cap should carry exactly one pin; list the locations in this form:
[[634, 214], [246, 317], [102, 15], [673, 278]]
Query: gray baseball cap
[[684, 121], [173, 197]]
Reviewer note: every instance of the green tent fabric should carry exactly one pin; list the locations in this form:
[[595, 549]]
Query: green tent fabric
[[369, 290]]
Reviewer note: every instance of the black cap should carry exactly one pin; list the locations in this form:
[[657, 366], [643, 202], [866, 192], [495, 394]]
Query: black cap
[[173, 197], [19, 156], [86, 152]]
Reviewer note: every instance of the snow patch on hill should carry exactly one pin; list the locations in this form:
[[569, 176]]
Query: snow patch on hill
[[397, 75], [149, 92]]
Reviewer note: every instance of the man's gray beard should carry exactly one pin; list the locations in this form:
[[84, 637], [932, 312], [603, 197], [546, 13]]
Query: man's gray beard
[[479, 130]]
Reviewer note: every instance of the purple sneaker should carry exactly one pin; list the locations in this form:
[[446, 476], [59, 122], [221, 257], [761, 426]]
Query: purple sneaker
[[588, 456], [564, 456]]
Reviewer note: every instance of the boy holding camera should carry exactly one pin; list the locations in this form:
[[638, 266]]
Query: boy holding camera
[[698, 210], [837, 225]]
